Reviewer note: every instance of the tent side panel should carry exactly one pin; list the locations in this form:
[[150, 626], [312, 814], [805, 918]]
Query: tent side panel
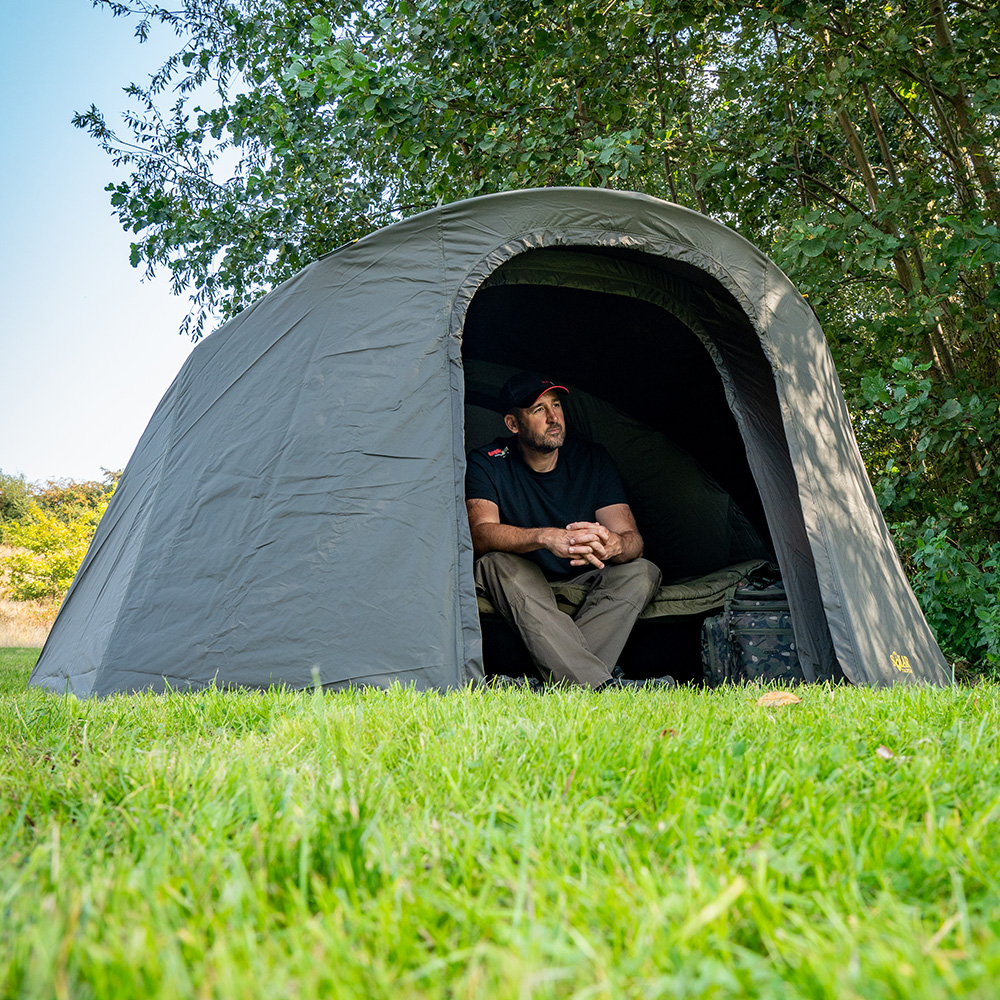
[[302, 534], [878, 628], [73, 658]]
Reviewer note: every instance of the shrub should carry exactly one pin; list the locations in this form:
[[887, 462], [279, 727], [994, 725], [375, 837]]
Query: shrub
[[15, 499], [69, 499], [958, 587], [51, 547]]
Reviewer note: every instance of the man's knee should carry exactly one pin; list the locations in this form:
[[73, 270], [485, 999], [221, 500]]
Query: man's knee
[[647, 572], [640, 578]]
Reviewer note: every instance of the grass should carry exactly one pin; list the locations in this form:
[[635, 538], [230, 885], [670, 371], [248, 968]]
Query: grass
[[15, 665], [25, 623], [498, 844]]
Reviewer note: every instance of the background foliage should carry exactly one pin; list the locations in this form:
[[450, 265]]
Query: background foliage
[[855, 143], [47, 529], [15, 499]]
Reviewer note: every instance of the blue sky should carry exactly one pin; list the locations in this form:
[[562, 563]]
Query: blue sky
[[87, 348]]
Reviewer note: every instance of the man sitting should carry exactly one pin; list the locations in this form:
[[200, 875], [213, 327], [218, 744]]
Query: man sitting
[[518, 490]]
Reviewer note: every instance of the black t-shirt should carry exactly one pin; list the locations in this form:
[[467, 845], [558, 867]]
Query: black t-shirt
[[584, 480]]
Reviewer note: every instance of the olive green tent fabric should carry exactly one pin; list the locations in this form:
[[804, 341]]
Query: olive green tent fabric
[[294, 513]]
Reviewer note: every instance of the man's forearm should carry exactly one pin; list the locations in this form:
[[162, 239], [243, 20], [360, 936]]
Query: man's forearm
[[564, 543], [631, 543], [506, 538]]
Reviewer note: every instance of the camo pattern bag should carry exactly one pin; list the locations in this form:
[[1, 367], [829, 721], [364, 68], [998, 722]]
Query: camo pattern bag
[[716, 650], [752, 639]]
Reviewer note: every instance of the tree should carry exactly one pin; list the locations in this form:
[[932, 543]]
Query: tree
[[15, 498], [853, 142], [68, 499]]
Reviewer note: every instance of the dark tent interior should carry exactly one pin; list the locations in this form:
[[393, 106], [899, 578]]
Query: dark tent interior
[[647, 386]]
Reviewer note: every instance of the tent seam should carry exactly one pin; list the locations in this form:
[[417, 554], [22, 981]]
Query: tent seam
[[454, 359], [832, 564]]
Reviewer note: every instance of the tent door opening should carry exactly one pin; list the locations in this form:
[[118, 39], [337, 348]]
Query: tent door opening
[[644, 385]]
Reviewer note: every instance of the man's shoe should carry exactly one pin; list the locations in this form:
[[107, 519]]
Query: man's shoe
[[666, 681], [619, 680]]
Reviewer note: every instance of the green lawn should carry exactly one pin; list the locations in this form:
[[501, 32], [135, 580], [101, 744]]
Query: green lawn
[[395, 844], [15, 665]]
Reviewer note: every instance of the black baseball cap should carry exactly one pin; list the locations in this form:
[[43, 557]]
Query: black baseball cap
[[524, 389]]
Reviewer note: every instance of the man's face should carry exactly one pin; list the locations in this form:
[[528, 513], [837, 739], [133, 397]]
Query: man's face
[[540, 426]]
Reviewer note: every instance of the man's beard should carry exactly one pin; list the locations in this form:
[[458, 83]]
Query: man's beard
[[543, 442]]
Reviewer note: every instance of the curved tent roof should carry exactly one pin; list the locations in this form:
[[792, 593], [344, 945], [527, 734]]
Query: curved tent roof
[[294, 512]]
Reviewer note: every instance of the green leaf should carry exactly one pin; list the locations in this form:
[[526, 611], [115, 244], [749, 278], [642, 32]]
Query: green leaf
[[321, 30], [874, 389], [951, 408]]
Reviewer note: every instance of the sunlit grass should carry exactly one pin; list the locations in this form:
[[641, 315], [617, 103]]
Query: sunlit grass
[[500, 844], [15, 665]]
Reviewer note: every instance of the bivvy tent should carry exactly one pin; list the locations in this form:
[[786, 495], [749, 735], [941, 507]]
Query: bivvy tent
[[294, 512]]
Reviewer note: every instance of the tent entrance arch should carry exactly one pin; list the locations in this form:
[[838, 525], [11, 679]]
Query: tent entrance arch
[[643, 342]]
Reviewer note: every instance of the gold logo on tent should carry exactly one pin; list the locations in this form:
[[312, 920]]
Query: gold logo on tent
[[901, 663]]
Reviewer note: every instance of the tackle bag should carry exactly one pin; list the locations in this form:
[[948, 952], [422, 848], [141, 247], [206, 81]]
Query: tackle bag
[[752, 638]]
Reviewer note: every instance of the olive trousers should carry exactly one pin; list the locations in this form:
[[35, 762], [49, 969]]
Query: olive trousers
[[580, 649]]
